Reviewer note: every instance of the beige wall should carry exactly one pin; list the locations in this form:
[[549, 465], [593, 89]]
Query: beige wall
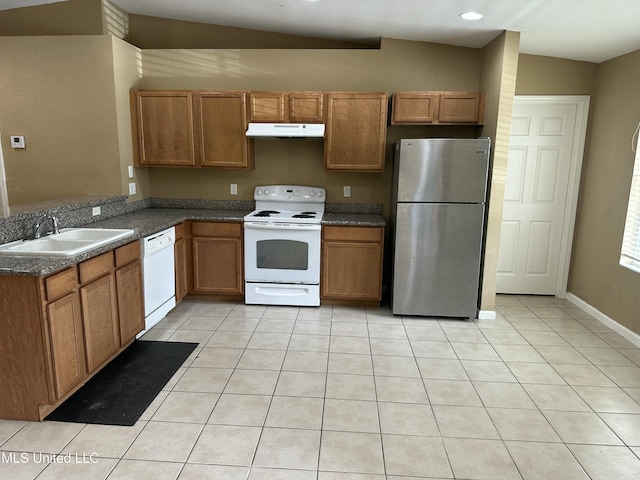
[[596, 277], [154, 32], [539, 75], [127, 68], [70, 17], [59, 92]]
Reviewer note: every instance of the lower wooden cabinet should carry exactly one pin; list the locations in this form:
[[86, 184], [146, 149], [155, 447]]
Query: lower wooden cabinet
[[130, 294], [100, 320], [60, 329], [352, 263], [180, 254], [218, 266], [63, 326]]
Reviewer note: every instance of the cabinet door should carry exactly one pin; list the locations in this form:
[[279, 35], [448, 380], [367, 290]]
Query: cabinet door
[[220, 127], [267, 107], [356, 131], [463, 107], [100, 320], [217, 265], [306, 107], [180, 254], [415, 108], [130, 300], [352, 263], [163, 127], [64, 324]]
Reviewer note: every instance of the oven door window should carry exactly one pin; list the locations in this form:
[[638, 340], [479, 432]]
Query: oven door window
[[281, 254]]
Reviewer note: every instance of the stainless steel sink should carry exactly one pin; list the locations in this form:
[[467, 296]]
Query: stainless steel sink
[[67, 243]]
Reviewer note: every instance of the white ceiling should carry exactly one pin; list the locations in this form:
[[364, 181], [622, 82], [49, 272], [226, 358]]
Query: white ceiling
[[589, 30]]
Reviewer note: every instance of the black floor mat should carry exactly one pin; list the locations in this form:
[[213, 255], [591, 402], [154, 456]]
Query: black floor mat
[[123, 390]]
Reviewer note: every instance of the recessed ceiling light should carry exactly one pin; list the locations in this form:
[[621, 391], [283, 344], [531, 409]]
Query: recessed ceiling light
[[471, 16]]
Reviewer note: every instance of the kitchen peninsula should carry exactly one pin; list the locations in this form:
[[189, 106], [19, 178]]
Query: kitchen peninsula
[[64, 318]]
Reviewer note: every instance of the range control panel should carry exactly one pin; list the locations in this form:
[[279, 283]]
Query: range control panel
[[294, 193]]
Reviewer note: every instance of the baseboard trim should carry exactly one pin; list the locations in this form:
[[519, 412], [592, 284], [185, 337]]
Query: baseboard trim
[[630, 335], [486, 315]]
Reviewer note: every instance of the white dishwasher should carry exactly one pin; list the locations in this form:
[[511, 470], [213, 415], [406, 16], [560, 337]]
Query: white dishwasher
[[158, 275]]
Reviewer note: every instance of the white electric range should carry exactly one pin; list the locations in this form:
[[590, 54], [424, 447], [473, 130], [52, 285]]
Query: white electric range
[[282, 246]]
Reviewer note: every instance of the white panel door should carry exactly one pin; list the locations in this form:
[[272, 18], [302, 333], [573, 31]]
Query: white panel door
[[539, 171]]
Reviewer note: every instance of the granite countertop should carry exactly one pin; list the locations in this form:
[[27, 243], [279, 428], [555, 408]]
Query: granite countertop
[[143, 222], [151, 220], [353, 219]]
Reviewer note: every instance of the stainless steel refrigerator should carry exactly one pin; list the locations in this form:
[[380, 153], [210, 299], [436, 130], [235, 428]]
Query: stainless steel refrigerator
[[437, 221]]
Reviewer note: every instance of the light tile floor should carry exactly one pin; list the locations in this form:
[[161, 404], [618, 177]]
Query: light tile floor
[[335, 393]]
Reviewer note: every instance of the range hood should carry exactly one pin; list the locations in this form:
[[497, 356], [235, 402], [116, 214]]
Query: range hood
[[286, 130]]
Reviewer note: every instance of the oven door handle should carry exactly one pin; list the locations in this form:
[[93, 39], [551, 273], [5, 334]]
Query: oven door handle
[[282, 226]]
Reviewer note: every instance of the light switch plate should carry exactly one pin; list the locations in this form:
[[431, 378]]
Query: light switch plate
[[132, 189], [130, 169], [234, 189], [347, 191]]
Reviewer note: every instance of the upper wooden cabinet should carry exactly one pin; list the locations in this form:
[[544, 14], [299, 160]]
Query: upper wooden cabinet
[[438, 108], [176, 128], [267, 107], [414, 107], [285, 107], [356, 131], [306, 107], [162, 122], [220, 126]]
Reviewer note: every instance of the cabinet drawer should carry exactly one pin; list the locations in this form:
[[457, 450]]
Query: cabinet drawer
[[127, 253], [61, 283], [216, 229], [96, 267], [357, 234]]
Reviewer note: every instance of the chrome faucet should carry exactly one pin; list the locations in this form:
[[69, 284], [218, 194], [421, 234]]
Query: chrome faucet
[[37, 232]]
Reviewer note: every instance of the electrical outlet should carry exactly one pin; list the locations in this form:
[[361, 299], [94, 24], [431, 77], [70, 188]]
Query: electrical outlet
[[347, 190], [234, 189], [17, 141], [132, 188], [130, 169], [95, 211]]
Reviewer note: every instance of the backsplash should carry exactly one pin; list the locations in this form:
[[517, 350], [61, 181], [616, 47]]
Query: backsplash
[[70, 212], [76, 211]]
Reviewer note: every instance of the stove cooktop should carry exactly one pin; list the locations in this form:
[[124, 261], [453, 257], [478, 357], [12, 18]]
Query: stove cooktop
[[293, 216], [288, 203]]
